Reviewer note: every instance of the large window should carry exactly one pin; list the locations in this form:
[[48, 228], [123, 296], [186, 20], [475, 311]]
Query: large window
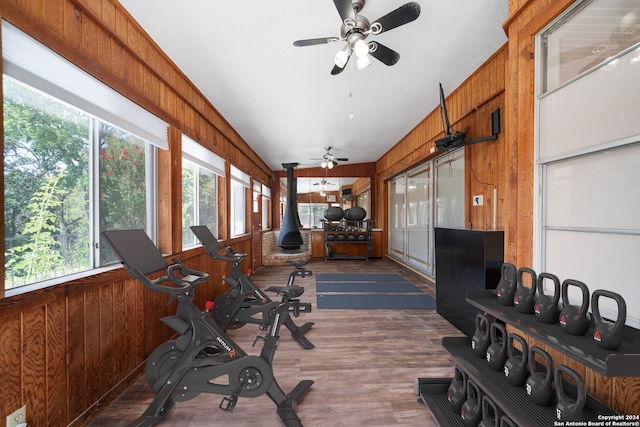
[[200, 171], [240, 183], [72, 168], [588, 150]]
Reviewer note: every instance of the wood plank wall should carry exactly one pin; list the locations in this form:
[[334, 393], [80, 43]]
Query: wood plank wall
[[67, 350], [469, 107]]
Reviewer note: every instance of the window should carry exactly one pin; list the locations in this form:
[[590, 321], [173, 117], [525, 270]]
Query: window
[[364, 201], [592, 35], [311, 214], [72, 168], [200, 171], [266, 207], [240, 182]]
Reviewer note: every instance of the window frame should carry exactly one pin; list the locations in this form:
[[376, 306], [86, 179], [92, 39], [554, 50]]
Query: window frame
[[202, 159], [36, 67]]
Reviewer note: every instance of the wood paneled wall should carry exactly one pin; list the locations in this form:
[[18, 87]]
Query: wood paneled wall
[[469, 107], [69, 349]]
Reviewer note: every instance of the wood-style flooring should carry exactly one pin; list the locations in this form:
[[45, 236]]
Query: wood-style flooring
[[363, 366]]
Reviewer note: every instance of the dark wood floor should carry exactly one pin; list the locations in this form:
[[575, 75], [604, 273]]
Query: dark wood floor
[[364, 364]]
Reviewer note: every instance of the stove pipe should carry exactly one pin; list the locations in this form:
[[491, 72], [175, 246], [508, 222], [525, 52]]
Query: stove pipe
[[290, 237]]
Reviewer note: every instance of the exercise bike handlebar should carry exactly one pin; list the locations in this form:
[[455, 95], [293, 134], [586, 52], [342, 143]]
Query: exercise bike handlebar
[[184, 281], [238, 256]]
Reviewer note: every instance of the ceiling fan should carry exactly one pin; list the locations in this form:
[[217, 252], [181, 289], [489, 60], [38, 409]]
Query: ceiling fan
[[323, 183], [356, 28], [329, 160], [622, 37]]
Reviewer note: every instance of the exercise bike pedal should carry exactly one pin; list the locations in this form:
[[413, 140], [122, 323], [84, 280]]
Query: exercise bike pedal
[[228, 404], [296, 307]]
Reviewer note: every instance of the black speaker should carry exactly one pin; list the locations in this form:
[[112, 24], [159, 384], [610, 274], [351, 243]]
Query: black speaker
[[495, 121]]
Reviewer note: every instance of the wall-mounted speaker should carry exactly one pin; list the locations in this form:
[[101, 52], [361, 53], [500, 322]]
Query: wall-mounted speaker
[[495, 121]]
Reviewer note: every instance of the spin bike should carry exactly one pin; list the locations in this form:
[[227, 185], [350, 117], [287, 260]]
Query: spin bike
[[245, 303], [181, 369]]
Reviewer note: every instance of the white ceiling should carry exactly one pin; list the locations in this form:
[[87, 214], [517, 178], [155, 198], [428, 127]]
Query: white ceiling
[[282, 99]]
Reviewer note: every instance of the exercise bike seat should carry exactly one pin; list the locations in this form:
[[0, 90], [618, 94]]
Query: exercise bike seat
[[287, 291], [296, 263]]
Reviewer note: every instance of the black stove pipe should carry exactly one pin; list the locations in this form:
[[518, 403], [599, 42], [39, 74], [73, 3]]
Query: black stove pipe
[[290, 237]]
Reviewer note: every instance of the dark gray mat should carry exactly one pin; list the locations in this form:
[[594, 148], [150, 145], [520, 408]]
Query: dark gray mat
[[368, 301], [366, 287], [359, 277]]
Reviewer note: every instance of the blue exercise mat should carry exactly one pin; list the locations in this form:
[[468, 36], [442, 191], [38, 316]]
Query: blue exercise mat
[[368, 301], [366, 287], [360, 277]]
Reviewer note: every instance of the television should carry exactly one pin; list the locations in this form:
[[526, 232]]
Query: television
[[451, 139]]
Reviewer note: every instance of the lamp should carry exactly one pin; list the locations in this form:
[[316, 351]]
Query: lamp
[[331, 164], [342, 57], [363, 62], [360, 48]]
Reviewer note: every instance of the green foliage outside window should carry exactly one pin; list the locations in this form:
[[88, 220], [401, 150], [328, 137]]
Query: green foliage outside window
[[49, 195]]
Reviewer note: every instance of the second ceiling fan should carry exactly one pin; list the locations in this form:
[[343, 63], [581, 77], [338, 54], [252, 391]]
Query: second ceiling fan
[[356, 28], [328, 160]]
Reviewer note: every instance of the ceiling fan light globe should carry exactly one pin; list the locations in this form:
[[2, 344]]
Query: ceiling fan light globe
[[361, 49], [330, 165], [363, 62], [341, 59], [323, 164]]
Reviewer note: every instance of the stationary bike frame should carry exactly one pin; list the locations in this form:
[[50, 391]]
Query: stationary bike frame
[[246, 303], [181, 369]]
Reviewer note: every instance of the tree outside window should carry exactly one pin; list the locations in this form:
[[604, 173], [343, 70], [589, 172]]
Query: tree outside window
[[50, 193]]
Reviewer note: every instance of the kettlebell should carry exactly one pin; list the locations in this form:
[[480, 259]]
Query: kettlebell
[[566, 408], [524, 297], [574, 320], [607, 334], [497, 350], [515, 368], [457, 391], [471, 411], [490, 413], [505, 421], [480, 339], [546, 307], [538, 385], [507, 285]]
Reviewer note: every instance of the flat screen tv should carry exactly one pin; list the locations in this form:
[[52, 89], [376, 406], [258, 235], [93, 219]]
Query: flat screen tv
[[451, 139]]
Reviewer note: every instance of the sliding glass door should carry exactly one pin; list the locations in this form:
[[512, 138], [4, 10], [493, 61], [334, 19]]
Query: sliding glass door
[[428, 196]]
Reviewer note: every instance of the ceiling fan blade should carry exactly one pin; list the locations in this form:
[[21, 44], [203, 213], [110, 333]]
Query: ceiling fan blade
[[312, 42], [403, 15], [346, 11], [342, 159], [383, 54], [596, 61]]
